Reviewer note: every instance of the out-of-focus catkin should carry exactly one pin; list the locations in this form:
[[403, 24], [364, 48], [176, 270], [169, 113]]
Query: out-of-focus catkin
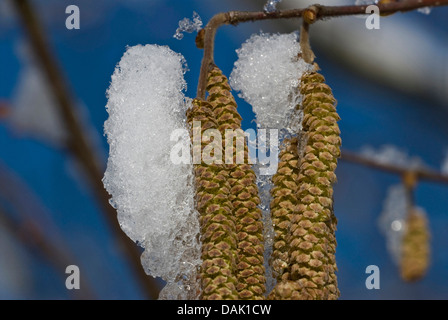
[[415, 250], [218, 231], [243, 193], [312, 237]]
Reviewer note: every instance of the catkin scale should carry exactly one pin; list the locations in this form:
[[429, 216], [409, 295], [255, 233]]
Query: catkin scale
[[243, 193], [218, 232]]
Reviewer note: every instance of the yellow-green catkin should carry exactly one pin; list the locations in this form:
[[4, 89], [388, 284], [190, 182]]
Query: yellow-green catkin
[[415, 250], [312, 241], [284, 206], [218, 230], [244, 192]]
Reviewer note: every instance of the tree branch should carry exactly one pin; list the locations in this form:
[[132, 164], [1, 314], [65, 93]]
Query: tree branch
[[77, 142], [418, 173], [321, 12]]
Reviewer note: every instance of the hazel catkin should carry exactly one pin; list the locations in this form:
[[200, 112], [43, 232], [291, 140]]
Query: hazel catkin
[[218, 231], [243, 191], [311, 270]]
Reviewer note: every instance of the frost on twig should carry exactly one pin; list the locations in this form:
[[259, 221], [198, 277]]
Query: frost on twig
[[365, 2], [271, 6], [389, 154], [425, 10], [187, 25]]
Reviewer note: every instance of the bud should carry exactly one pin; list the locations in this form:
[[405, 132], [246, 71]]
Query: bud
[[200, 39], [310, 15]]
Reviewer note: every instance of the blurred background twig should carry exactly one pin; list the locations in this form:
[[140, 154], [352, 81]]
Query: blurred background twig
[[77, 142], [419, 173], [31, 236]]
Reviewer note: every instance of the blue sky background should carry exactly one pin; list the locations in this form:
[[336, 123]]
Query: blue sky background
[[373, 113]]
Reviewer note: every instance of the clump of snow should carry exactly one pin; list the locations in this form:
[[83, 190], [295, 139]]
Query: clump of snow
[[271, 6], [393, 218], [153, 196], [389, 154], [267, 74], [187, 25]]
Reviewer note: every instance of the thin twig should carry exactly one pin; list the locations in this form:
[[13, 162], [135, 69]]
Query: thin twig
[[322, 12], [77, 141], [209, 40], [410, 182], [419, 173], [307, 54]]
